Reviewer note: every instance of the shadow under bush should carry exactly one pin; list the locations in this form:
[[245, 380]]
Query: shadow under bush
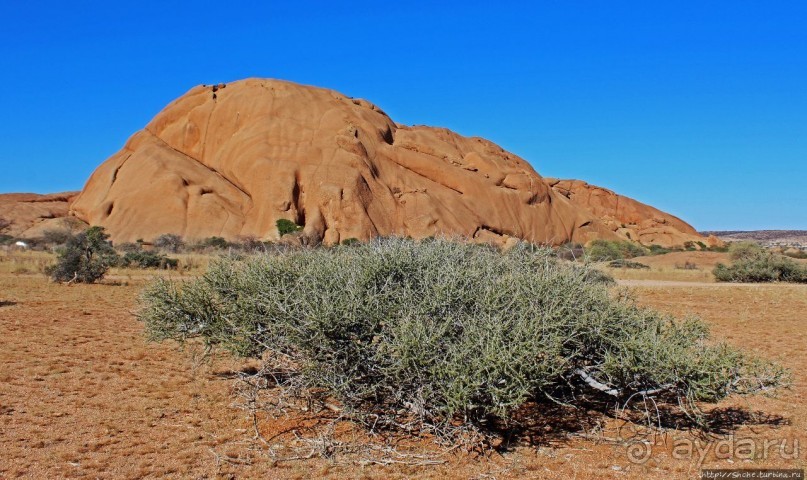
[[444, 337]]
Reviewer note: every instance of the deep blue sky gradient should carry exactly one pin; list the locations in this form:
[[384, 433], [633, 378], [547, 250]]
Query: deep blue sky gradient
[[698, 108]]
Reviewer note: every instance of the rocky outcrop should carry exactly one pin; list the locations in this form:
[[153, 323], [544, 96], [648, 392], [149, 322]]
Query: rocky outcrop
[[29, 215], [232, 160], [628, 218]]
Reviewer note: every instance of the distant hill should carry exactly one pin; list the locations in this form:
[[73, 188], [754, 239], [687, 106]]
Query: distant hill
[[797, 238]]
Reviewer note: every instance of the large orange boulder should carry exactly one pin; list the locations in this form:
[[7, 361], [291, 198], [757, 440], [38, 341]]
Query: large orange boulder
[[230, 160]]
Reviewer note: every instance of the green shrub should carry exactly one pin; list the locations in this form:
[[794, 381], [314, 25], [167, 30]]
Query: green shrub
[[743, 250], [85, 258], [144, 259], [658, 250], [604, 250], [249, 243], [442, 336], [595, 275], [800, 254], [571, 251], [607, 250], [631, 249], [58, 236], [627, 264], [218, 243], [284, 227], [169, 242], [760, 266], [130, 247]]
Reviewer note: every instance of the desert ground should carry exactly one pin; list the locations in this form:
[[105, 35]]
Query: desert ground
[[84, 395]]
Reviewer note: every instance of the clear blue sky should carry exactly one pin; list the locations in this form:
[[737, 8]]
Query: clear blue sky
[[698, 108]]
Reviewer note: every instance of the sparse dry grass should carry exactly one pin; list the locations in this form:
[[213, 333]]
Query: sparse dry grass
[[670, 267], [19, 262], [84, 396]]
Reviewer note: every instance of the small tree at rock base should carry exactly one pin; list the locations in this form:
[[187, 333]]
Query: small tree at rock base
[[285, 226], [144, 259], [58, 236], [606, 250], [85, 258], [169, 242]]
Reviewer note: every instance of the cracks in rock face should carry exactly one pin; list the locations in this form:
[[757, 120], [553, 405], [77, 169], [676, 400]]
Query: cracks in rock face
[[115, 177], [207, 127], [296, 194], [373, 168], [227, 180], [429, 179], [488, 228], [388, 136], [115, 173]]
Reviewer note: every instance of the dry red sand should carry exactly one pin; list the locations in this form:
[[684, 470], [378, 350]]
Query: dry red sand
[[82, 395]]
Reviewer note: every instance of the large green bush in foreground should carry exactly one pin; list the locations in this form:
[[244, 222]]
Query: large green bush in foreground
[[437, 333]]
